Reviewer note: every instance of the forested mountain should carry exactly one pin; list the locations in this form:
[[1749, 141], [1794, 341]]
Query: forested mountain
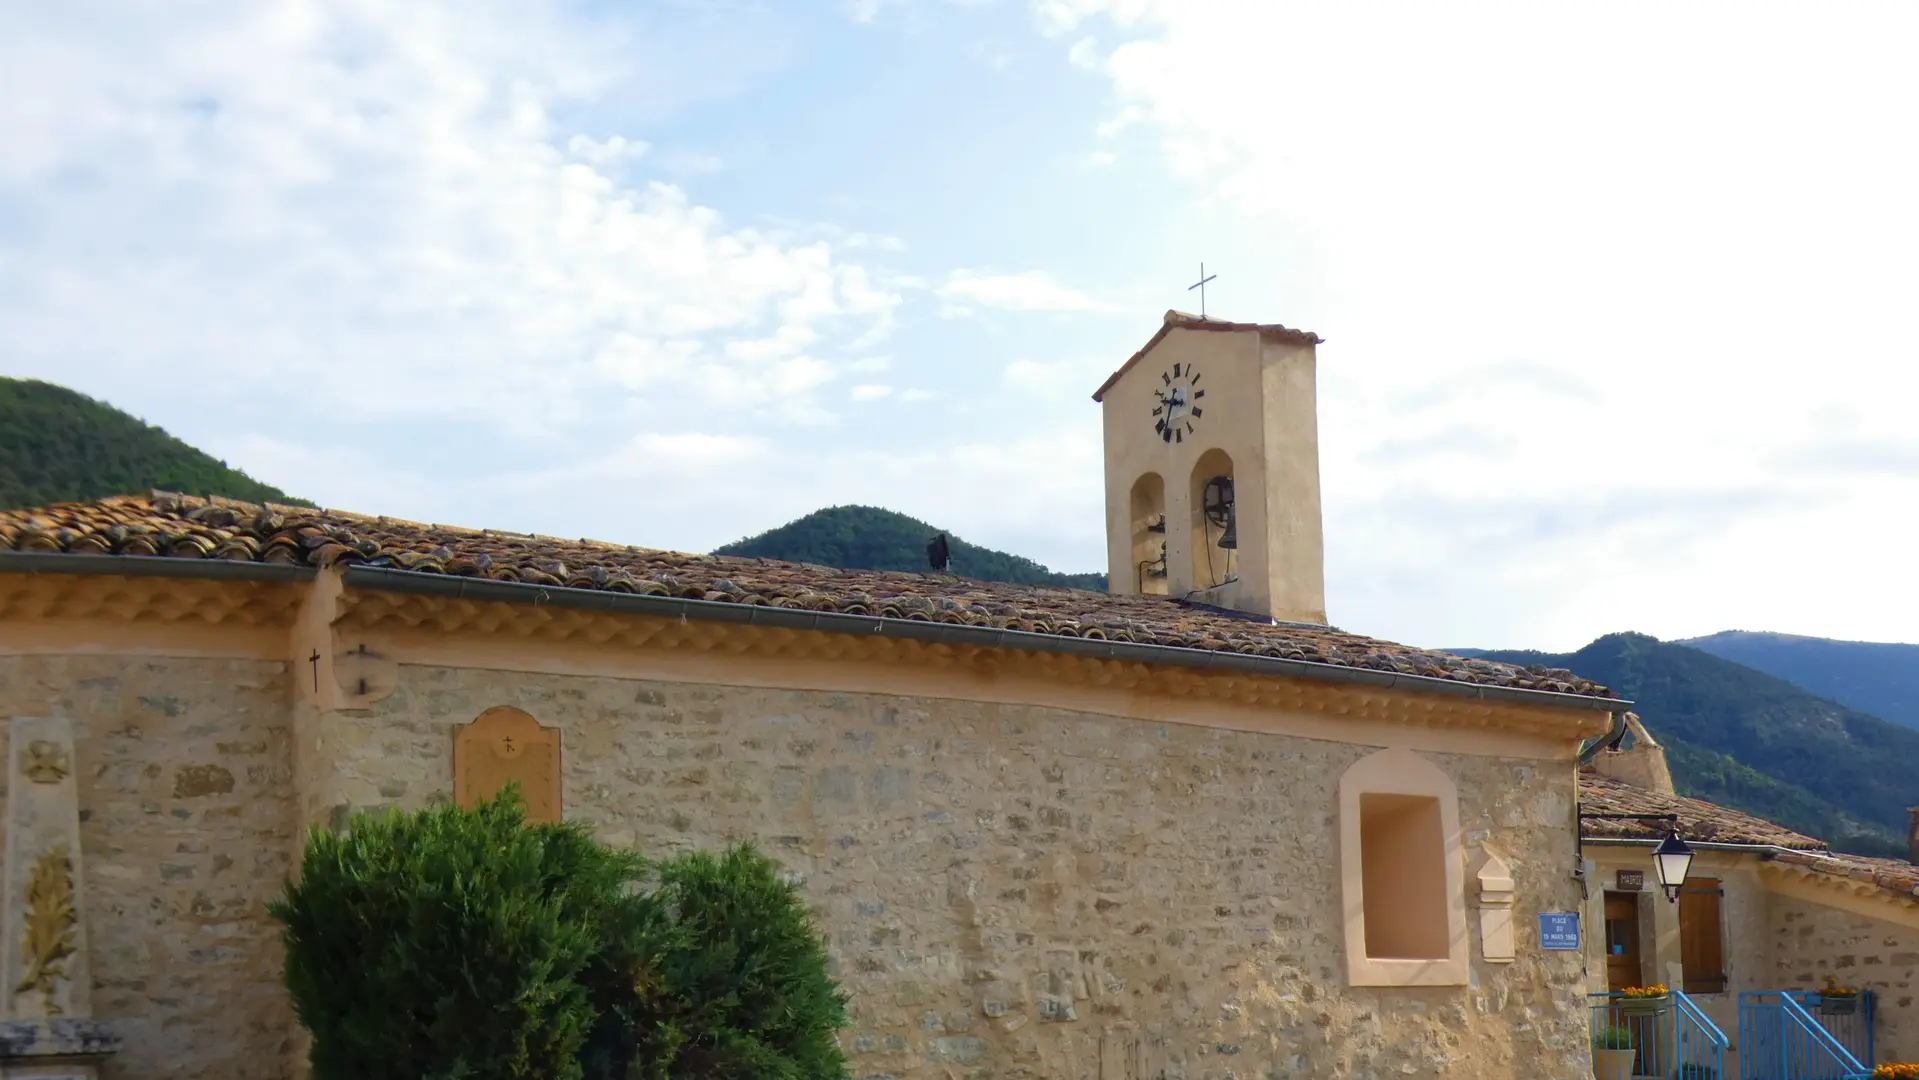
[[1754, 742], [869, 538], [1874, 677], [60, 446]]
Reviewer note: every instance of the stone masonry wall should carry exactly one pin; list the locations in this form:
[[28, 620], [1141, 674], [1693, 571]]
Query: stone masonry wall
[[1811, 941], [1026, 892], [186, 824]]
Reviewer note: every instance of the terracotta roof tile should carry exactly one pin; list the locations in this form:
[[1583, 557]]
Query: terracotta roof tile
[[1698, 820], [1180, 320], [1893, 875], [175, 526]]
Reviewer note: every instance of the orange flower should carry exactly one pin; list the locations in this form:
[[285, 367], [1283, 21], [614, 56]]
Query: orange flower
[[1655, 990], [1895, 1071]]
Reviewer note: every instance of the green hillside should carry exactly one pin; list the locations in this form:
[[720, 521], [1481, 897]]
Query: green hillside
[[60, 446], [1748, 740], [1874, 677], [869, 538]]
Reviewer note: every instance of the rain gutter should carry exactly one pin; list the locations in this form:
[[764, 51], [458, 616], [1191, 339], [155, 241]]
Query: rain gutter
[[959, 634], [1610, 738], [167, 566], [1704, 845]]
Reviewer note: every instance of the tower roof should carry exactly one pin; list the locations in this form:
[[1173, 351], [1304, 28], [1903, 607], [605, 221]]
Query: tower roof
[[1180, 320]]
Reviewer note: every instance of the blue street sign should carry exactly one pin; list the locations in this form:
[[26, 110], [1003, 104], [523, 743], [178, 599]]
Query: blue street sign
[[1559, 930]]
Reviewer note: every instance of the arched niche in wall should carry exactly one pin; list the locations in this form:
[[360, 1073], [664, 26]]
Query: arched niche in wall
[[505, 745], [1402, 873], [1212, 494], [1149, 534]]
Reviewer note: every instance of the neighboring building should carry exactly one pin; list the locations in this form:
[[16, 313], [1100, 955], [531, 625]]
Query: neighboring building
[[1048, 833], [1764, 909]]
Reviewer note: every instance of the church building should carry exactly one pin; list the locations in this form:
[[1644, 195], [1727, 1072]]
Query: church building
[[1185, 828]]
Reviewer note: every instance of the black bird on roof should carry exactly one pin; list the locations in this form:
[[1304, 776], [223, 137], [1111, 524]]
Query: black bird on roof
[[937, 554]]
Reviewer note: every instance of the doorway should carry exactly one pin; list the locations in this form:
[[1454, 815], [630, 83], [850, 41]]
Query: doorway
[[1622, 941]]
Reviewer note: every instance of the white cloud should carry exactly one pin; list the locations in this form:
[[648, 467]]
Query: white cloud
[[1569, 257], [1067, 382], [1033, 290], [382, 210], [610, 151], [871, 392]]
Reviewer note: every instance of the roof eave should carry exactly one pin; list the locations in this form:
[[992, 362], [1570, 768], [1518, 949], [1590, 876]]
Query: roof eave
[[1177, 321], [395, 580]]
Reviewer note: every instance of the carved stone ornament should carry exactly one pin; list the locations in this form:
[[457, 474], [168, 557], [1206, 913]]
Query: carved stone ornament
[[44, 762], [506, 746], [48, 939]]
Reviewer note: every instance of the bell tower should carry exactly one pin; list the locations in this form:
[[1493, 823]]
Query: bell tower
[[1212, 469]]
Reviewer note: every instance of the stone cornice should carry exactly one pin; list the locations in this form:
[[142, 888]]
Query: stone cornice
[[267, 616], [404, 625], [1858, 893], [148, 600]]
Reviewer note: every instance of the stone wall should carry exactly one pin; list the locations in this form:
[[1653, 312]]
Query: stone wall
[[1811, 941], [1025, 892], [187, 828]]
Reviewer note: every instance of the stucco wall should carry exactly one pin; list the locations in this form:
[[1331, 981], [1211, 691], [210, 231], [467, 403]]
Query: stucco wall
[[1745, 907], [1015, 891], [1811, 941], [187, 826]]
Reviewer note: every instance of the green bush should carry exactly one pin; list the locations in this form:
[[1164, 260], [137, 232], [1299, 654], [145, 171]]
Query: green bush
[[739, 983], [450, 944], [1614, 1038]]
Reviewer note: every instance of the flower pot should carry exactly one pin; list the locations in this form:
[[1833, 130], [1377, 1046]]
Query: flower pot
[[1613, 1064], [1838, 1006], [1643, 1006]]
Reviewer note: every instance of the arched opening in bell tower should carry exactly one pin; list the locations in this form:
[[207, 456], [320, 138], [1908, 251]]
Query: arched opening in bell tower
[[1215, 533], [1149, 534]]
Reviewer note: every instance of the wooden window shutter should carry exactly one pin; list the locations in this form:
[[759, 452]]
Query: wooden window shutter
[[1701, 953]]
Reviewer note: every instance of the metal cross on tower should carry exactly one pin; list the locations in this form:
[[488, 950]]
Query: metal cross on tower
[[1201, 286]]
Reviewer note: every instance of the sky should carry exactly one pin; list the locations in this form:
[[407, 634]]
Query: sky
[[1615, 298]]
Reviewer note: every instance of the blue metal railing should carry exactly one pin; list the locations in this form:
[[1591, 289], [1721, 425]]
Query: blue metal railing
[[1780, 1040], [1849, 1019], [1671, 1039], [1699, 1047]]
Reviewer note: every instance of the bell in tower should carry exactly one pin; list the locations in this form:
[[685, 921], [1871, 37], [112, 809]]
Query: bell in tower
[[1212, 469]]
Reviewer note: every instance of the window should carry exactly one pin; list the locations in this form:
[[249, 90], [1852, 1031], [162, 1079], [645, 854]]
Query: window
[[1402, 873], [1702, 957]]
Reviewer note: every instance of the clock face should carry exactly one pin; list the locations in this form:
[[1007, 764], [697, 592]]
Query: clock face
[[1176, 403]]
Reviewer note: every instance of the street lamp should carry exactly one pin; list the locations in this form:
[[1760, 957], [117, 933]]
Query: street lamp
[[1670, 861]]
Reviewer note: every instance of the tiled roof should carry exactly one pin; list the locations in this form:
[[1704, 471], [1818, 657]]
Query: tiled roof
[[1698, 820], [1180, 320], [183, 527], [1893, 875], [1706, 823]]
